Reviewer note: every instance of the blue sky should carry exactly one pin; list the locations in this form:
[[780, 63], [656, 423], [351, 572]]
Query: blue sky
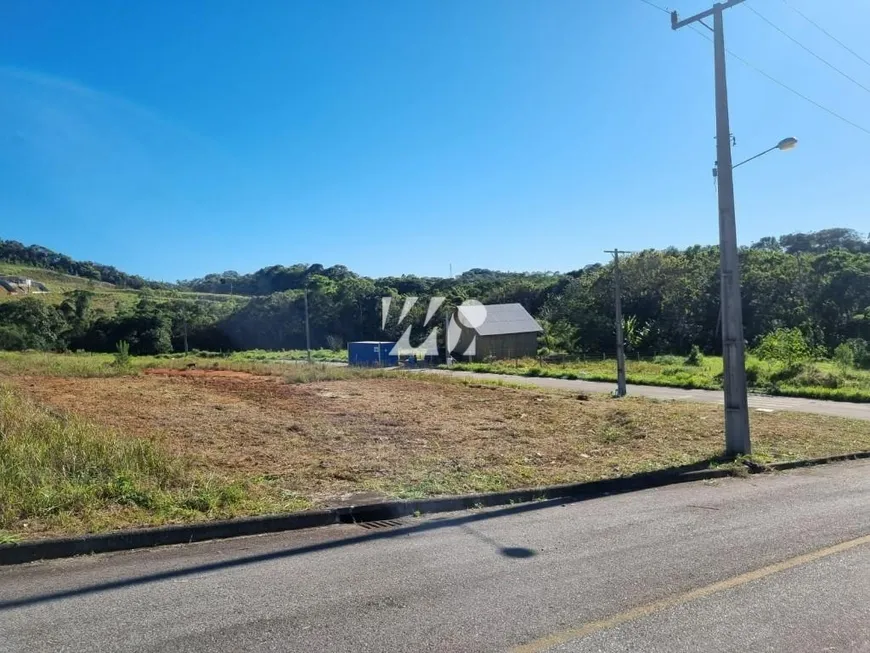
[[173, 139]]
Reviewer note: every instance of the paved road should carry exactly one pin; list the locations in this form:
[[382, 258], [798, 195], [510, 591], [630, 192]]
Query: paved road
[[768, 563], [758, 402]]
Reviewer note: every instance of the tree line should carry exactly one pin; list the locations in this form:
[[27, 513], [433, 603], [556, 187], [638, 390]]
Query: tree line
[[11, 251], [818, 283]]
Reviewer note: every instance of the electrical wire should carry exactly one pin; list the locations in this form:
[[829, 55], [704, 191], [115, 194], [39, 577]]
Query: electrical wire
[[788, 88], [824, 31], [770, 77], [801, 45], [655, 6]]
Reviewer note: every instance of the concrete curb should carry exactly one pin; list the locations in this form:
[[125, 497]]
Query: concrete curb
[[755, 468], [11, 554]]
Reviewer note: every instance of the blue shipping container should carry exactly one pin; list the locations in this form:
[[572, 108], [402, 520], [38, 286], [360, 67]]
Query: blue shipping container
[[371, 353]]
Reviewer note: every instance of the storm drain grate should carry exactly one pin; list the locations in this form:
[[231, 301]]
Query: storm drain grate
[[381, 523]]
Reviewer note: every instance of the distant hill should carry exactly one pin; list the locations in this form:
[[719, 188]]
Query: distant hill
[[66, 273], [105, 296], [36, 256], [817, 283]]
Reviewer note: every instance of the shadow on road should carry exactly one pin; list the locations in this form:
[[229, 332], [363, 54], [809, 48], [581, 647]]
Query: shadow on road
[[506, 551], [370, 536]]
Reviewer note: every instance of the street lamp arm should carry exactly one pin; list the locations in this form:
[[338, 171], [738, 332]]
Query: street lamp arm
[[755, 157]]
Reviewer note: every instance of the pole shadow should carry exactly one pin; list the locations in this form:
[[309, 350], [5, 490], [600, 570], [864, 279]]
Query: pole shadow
[[370, 536]]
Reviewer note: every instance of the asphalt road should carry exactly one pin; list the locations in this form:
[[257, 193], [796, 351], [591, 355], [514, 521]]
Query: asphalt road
[[756, 401], [768, 563]]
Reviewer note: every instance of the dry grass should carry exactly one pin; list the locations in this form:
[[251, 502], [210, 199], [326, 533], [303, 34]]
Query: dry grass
[[408, 437], [66, 474]]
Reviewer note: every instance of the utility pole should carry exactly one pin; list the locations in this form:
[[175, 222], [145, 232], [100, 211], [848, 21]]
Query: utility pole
[[447, 339], [307, 331], [733, 350], [620, 342]]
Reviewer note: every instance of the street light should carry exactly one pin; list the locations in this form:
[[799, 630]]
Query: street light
[[785, 144], [733, 347]]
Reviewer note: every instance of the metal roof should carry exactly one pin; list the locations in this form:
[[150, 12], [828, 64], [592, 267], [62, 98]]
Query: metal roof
[[501, 319]]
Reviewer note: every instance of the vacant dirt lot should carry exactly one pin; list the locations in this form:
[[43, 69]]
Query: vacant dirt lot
[[413, 437]]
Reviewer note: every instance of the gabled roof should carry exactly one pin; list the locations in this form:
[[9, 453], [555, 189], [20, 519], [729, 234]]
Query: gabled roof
[[501, 319]]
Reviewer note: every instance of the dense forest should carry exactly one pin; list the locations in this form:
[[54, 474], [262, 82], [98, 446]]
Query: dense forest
[[817, 282]]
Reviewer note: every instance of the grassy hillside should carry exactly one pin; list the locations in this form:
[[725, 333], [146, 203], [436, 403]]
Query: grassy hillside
[[106, 295], [56, 281]]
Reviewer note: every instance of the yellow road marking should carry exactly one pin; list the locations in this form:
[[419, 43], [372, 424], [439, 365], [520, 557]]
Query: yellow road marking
[[657, 606]]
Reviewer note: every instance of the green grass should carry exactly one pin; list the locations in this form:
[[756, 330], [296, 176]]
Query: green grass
[[637, 372], [49, 364], [86, 365], [62, 473], [262, 355], [817, 380], [319, 355], [9, 538]]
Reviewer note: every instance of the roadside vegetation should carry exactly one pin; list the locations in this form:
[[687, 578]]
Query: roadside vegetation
[[783, 364], [90, 443]]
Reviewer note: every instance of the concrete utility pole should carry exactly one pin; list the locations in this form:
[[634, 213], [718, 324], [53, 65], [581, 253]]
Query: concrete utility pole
[[447, 339], [307, 331], [733, 354], [620, 342]]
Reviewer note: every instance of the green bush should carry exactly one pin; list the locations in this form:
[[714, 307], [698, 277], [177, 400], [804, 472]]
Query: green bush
[[122, 354], [844, 356], [754, 373], [813, 376], [668, 360], [860, 352], [784, 373], [805, 375], [12, 339], [695, 358], [785, 346]]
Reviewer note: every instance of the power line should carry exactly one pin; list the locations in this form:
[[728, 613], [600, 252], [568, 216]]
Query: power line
[[770, 77], [800, 95], [788, 88], [655, 6], [801, 45], [824, 31]]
